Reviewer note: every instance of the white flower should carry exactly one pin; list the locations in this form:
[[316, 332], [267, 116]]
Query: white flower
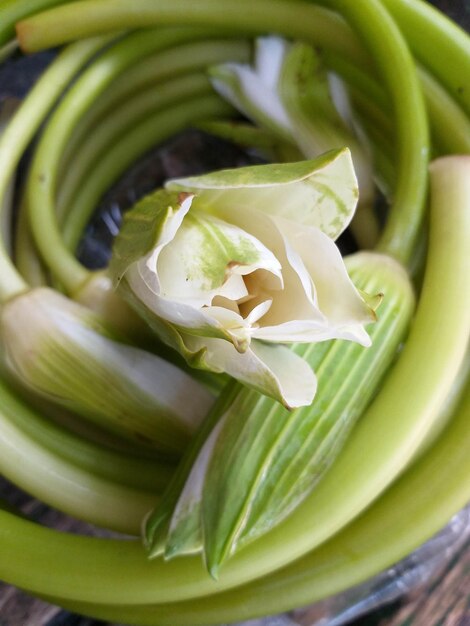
[[229, 266]]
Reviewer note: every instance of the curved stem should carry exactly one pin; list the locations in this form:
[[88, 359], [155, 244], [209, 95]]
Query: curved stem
[[380, 34], [13, 10], [450, 127], [27, 257], [42, 180], [152, 130], [8, 49], [82, 19], [440, 44], [163, 65], [22, 128], [99, 143]]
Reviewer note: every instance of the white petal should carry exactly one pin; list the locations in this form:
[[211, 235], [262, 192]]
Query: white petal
[[269, 59], [338, 299], [296, 301], [241, 85], [205, 251], [203, 258], [273, 370]]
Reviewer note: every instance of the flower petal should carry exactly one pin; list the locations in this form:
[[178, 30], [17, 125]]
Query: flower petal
[[297, 299], [275, 371], [338, 298], [321, 192], [206, 251], [253, 91], [194, 261]]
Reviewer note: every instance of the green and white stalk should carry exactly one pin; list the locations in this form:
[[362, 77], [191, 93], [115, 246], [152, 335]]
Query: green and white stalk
[[65, 353]]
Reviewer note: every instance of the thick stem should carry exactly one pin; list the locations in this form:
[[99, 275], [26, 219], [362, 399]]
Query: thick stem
[[381, 36], [150, 131], [297, 19], [13, 10], [440, 44]]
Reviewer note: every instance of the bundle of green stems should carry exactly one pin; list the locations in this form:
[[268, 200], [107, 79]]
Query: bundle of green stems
[[130, 76]]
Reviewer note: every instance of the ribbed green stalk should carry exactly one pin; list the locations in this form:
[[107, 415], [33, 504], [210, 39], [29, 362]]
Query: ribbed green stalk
[[282, 455]]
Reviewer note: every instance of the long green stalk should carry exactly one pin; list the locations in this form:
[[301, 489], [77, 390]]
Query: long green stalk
[[450, 127], [438, 42], [76, 489], [13, 10], [23, 127], [151, 130], [150, 72], [99, 143], [380, 34], [57, 26]]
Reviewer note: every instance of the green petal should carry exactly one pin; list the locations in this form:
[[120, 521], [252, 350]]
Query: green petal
[[321, 192], [142, 228]]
